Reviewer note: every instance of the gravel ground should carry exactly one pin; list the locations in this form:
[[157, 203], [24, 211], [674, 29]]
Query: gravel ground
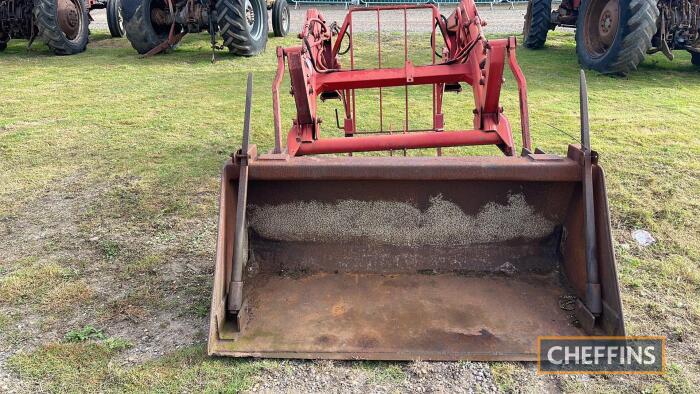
[[344, 377], [500, 19]]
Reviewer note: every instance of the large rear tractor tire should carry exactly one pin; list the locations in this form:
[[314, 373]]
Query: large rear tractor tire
[[537, 23], [243, 25], [143, 32], [280, 18], [695, 58], [612, 36], [63, 24], [115, 22]]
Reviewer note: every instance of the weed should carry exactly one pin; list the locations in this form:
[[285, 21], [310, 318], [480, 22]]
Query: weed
[[110, 249], [382, 372], [84, 334], [117, 344], [503, 376]]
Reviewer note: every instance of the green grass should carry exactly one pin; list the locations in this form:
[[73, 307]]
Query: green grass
[[381, 372], [87, 367], [147, 138], [31, 281]]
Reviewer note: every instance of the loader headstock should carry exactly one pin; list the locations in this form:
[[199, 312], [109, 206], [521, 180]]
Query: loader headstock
[[463, 55]]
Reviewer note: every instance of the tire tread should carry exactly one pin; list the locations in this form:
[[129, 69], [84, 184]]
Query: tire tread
[[539, 24], [49, 30], [638, 31], [233, 29]]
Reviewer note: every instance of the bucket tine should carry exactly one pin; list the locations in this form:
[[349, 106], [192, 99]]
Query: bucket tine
[[235, 295], [593, 296]]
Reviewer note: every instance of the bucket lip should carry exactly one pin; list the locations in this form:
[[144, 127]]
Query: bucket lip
[[409, 160], [217, 348], [543, 168], [496, 168]]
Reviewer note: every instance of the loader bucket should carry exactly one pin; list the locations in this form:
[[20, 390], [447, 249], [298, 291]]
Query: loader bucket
[[430, 258], [405, 258]]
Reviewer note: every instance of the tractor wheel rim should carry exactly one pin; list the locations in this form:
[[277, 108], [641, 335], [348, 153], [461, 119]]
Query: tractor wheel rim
[[160, 16], [253, 19], [601, 22], [285, 19], [120, 18], [70, 18]]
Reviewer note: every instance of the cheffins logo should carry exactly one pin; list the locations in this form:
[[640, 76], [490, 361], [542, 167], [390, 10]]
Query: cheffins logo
[[601, 355]]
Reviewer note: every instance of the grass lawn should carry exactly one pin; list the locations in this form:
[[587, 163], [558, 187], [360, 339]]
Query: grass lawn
[[109, 169]]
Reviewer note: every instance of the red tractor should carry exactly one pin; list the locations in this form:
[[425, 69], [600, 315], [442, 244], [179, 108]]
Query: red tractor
[[62, 24], [154, 26], [613, 36]]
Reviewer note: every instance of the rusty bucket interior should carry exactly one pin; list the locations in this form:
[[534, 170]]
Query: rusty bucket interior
[[431, 258]]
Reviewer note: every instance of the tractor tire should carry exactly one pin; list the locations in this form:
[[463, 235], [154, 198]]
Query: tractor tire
[[695, 58], [537, 23], [243, 25], [3, 46], [280, 18], [115, 22], [613, 36], [63, 25], [141, 32]]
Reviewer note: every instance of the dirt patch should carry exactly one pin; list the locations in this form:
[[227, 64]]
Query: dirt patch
[[78, 228]]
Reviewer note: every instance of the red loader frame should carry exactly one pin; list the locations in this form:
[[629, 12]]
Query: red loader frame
[[467, 57]]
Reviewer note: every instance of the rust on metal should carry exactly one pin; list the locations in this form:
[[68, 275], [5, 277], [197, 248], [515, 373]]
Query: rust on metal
[[400, 316], [367, 249], [69, 17]]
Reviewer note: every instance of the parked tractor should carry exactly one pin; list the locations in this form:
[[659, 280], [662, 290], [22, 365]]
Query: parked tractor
[[613, 36], [62, 24], [154, 26]]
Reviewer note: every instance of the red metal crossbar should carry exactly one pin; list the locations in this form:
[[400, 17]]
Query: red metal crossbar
[[467, 57]]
